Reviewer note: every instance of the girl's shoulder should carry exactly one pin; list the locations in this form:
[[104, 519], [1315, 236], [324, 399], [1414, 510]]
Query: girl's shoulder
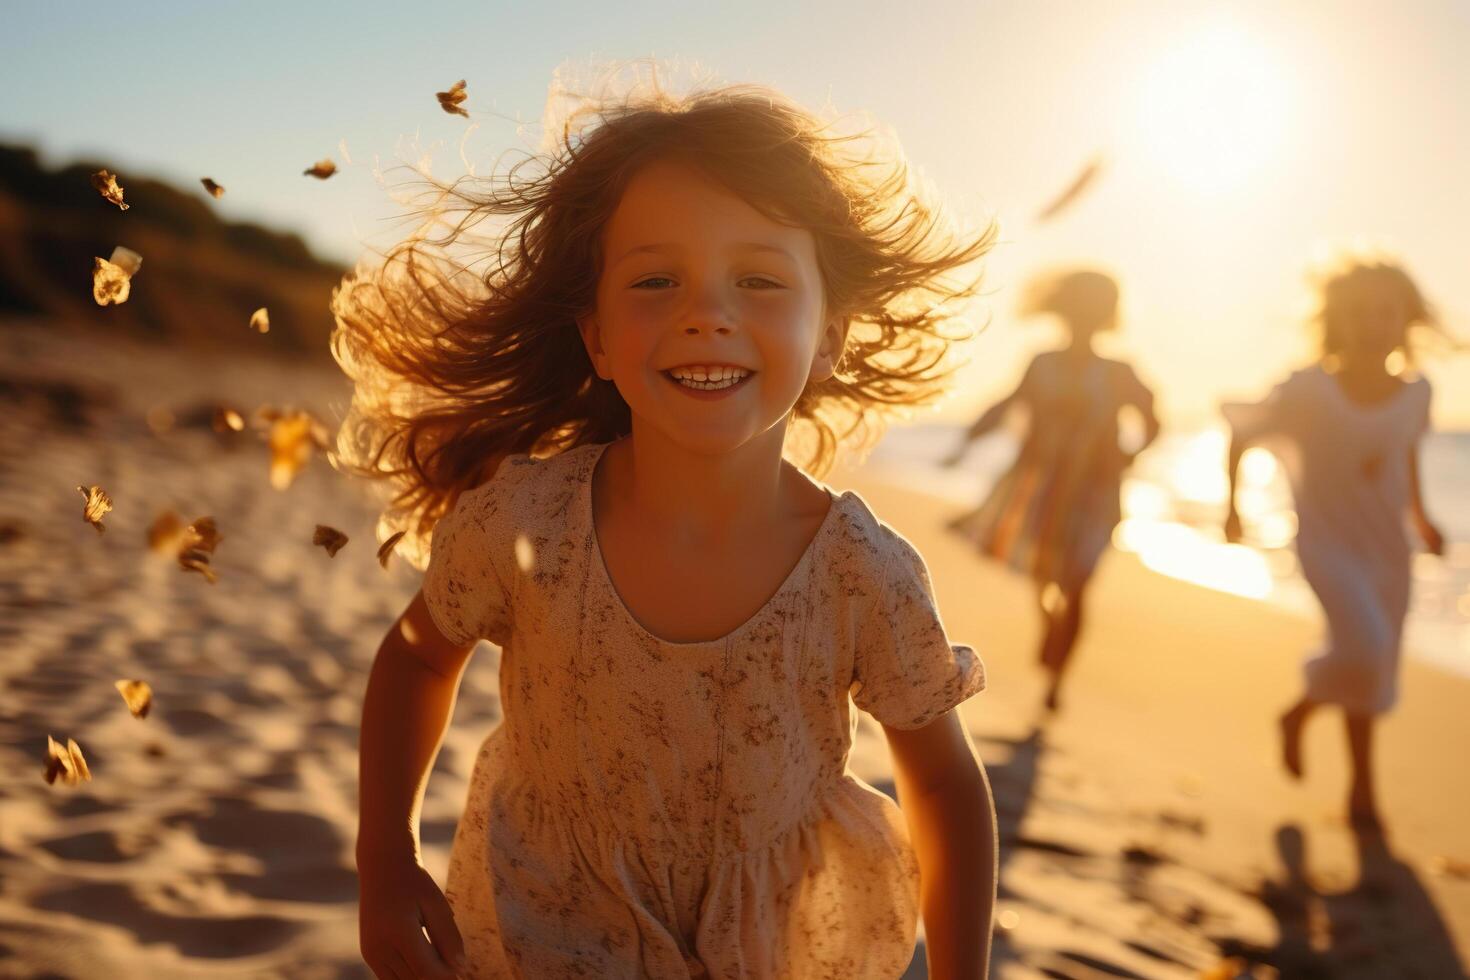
[[522, 484], [868, 547]]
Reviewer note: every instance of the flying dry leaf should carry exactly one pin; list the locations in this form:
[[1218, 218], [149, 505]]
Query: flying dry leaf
[[386, 548], [293, 435], [321, 170], [67, 762], [98, 503], [197, 548], [226, 419], [194, 560], [329, 538], [106, 185], [137, 694], [450, 101], [215, 190], [1074, 190], [260, 321], [110, 284], [204, 535], [112, 277]]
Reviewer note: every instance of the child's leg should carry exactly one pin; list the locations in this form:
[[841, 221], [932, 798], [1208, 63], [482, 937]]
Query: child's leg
[[1061, 639], [1362, 801], [1291, 735]]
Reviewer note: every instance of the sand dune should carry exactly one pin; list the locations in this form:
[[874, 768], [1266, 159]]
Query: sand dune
[[1147, 832]]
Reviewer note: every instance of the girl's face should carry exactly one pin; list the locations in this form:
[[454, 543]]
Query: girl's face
[[1373, 324], [697, 282]]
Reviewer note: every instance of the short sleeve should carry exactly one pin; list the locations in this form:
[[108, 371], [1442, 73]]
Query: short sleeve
[[906, 671], [466, 586]]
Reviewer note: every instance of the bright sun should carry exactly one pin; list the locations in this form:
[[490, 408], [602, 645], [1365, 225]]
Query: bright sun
[[1213, 108]]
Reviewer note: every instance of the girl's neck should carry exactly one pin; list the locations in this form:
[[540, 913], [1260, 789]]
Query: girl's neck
[[709, 498], [1080, 346]]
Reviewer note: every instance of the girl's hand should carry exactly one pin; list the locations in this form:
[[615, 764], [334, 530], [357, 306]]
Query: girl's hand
[[1433, 540], [1233, 531], [395, 898]]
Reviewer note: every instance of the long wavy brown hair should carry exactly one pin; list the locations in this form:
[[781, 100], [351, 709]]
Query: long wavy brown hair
[[463, 346]]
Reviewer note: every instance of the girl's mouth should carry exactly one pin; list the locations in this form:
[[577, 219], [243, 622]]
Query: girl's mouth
[[708, 389]]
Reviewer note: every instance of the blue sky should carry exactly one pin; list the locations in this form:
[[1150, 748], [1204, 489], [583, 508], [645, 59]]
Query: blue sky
[[1239, 136]]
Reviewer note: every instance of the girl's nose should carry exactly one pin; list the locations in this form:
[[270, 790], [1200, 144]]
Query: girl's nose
[[709, 313]]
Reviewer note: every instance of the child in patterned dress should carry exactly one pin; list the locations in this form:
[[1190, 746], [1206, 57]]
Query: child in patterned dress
[[682, 293]]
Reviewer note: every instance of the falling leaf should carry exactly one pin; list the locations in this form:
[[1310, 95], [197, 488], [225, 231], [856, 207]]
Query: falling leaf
[[98, 503], [138, 695], [293, 435], [1074, 190], [106, 185], [67, 763], [204, 535], [215, 190], [110, 284], [449, 101], [386, 548], [112, 278], [194, 560], [197, 548], [321, 170], [260, 321], [329, 538]]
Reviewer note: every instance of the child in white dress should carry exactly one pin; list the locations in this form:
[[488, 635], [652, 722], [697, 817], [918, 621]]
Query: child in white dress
[[598, 428], [1347, 430]]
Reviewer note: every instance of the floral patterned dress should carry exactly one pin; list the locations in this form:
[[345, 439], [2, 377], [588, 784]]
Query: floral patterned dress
[[1053, 512], [657, 809]]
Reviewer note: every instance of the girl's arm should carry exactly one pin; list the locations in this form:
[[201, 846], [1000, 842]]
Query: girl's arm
[[410, 697], [1433, 539], [991, 418], [951, 817]]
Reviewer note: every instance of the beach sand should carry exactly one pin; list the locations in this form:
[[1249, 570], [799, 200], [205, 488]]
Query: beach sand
[[1147, 831]]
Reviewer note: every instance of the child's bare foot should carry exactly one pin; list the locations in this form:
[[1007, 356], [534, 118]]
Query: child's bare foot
[[1291, 741]]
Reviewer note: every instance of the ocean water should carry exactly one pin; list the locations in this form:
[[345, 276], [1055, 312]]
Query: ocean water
[[1174, 507]]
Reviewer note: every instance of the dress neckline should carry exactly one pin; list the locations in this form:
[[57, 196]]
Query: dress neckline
[[1382, 404], [788, 582]]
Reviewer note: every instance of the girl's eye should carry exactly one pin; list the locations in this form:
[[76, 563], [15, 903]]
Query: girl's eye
[[760, 281]]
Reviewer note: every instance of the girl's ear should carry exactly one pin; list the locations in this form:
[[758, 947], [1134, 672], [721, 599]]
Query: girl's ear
[[592, 339], [829, 349]]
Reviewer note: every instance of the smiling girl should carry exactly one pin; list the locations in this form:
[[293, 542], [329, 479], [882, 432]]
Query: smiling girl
[[596, 431]]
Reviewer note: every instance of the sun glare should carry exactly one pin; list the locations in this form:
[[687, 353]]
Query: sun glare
[[1212, 108]]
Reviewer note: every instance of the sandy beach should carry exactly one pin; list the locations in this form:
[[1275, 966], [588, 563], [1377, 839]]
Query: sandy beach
[[1148, 831]]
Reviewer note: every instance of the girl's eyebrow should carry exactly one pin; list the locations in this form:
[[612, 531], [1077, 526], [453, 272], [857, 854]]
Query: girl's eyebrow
[[661, 247]]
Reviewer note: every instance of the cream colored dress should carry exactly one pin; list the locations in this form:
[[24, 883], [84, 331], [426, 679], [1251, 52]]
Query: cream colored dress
[[1348, 465], [656, 809]]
